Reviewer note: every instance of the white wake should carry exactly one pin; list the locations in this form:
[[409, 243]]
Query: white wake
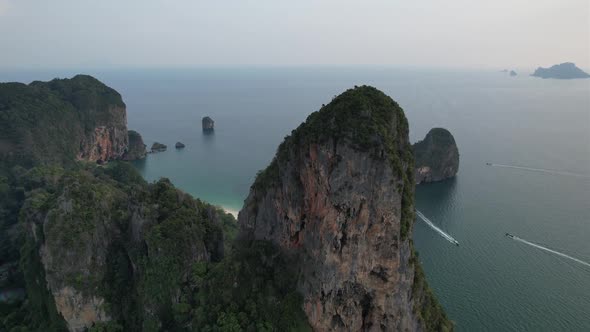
[[550, 250], [542, 170], [436, 229]]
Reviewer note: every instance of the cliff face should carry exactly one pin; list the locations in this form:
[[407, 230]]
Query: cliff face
[[64, 119], [106, 142], [136, 149], [339, 197], [436, 156], [101, 238]]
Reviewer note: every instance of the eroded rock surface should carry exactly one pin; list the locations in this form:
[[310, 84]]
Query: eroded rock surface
[[339, 197]]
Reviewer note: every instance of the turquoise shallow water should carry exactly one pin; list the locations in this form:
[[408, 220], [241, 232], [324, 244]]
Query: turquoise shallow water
[[489, 282]]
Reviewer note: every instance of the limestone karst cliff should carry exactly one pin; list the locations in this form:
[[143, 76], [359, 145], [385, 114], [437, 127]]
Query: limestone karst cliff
[[63, 119], [436, 156], [208, 124], [338, 198], [111, 247], [325, 235]]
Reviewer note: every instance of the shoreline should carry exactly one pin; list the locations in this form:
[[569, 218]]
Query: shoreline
[[230, 211]]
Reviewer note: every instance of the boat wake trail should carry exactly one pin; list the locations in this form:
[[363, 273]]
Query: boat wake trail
[[436, 229], [542, 170], [547, 249]]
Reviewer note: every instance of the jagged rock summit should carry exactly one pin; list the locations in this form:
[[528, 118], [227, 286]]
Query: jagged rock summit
[[566, 70], [436, 156], [339, 199]]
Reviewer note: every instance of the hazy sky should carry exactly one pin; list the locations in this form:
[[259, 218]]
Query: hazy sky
[[439, 33]]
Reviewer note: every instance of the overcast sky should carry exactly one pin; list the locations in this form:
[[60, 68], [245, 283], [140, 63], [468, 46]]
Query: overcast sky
[[179, 33]]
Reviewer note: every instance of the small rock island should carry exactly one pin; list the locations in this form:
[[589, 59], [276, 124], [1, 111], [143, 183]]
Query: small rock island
[[208, 124], [566, 70], [436, 157], [513, 73], [179, 145], [136, 148], [158, 147]]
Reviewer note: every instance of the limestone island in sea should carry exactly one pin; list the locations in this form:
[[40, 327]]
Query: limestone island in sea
[[208, 124], [436, 156], [158, 147], [566, 70]]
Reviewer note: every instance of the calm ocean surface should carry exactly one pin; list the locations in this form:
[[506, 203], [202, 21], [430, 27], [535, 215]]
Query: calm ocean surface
[[489, 282]]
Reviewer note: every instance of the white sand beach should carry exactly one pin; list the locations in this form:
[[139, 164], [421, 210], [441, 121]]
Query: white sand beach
[[231, 211]]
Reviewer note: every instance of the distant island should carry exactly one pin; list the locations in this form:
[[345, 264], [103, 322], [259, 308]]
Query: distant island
[[513, 73], [158, 147], [566, 70], [208, 124], [179, 145]]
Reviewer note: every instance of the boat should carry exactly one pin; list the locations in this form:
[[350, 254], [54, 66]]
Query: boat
[[489, 164]]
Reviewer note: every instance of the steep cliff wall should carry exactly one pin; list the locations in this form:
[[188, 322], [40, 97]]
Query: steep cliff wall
[[61, 120], [338, 197], [437, 156], [112, 247]]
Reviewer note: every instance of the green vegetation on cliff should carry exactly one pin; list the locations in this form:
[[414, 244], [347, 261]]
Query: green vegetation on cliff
[[430, 312], [370, 121], [45, 121], [437, 156], [136, 149], [433, 149], [156, 258], [166, 265], [160, 259]]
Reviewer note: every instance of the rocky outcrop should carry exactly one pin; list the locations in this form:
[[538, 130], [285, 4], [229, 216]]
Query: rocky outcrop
[[79, 311], [208, 124], [566, 70], [436, 156], [338, 198], [97, 248], [513, 73], [98, 239], [63, 119], [158, 147], [106, 142], [179, 145], [136, 148]]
